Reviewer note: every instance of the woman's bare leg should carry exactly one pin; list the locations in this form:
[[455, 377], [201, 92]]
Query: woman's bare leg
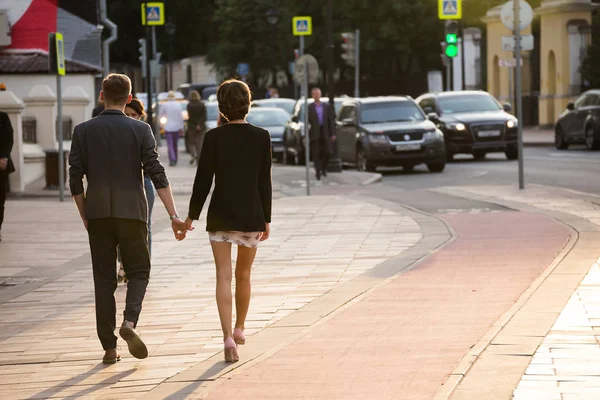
[[222, 255], [243, 266]]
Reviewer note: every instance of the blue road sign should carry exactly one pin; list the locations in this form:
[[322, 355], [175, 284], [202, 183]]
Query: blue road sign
[[153, 13], [243, 69], [450, 9]]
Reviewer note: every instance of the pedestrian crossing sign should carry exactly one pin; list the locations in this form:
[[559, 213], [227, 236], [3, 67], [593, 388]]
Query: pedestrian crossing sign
[[302, 26], [153, 14], [450, 9]]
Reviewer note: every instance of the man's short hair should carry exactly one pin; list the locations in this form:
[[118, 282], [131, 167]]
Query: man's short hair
[[116, 88]]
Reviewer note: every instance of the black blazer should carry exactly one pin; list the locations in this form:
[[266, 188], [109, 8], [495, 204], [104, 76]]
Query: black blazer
[[328, 126], [6, 140], [111, 151], [239, 158]]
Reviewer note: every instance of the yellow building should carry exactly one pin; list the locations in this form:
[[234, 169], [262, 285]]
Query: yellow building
[[565, 35]]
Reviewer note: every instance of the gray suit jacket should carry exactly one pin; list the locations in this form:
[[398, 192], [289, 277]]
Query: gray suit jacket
[[112, 151]]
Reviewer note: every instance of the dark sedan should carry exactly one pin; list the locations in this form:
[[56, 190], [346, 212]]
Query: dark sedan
[[580, 123], [473, 122], [272, 119]]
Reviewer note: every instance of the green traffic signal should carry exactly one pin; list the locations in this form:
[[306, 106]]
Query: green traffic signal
[[451, 38], [451, 50]]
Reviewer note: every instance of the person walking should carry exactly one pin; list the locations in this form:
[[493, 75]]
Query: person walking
[[135, 109], [171, 111], [111, 151], [6, 165], [238, 155], [196, 127], [322, 132]]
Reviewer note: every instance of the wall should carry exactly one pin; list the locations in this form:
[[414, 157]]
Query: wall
[[21, 85]]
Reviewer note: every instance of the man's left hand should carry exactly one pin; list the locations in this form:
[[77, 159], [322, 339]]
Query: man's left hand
[[3, 164], [333, 138], [179, 228]]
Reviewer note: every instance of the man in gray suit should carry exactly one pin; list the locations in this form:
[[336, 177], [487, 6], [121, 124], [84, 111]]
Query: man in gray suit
[[112, 151]]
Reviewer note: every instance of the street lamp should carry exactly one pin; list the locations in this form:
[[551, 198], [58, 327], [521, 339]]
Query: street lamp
[[273, 19], [170, 28]]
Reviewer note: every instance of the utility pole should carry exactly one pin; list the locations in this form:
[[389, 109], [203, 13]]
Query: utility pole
[[518, 94], [357, 66], [335, 164]]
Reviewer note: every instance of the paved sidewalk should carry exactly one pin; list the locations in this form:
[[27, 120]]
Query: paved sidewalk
[[48, 345], [560, 350]]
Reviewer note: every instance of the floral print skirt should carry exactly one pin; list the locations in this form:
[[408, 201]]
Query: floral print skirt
[[245, 239]]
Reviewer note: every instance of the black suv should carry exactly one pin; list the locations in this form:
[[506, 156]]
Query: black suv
[[580, 123], [473, 122], [388, 131]]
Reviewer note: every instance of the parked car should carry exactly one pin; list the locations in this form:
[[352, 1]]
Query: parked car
[[580, 123], [212, 114], [293, 135], [388, 131], [473, 122], [284, 104], [205, 89], [274, 120]]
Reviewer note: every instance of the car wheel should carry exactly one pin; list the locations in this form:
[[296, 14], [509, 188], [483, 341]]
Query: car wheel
[[362, 164], [590, 139], [512, 153], [436, 166], [479, 154], [559, 139]]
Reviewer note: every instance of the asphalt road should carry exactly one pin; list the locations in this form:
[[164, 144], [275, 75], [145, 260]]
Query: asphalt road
[[575, 169]]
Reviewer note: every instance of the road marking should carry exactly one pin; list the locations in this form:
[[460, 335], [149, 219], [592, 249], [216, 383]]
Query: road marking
[[467, 210]]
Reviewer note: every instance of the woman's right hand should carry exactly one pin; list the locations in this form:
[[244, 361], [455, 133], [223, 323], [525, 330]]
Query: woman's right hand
[[266, 233], [188, 224]]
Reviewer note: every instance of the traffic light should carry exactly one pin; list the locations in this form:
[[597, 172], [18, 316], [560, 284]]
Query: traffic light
[[451, 44], [349, 48], [143, 55]]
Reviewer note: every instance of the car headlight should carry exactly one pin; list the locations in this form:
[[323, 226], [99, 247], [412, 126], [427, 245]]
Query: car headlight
[[163, 121], [511, 124], [456, 126], [378, 138]]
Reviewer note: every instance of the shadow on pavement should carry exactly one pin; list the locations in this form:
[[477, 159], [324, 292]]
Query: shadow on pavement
[[210, 374]]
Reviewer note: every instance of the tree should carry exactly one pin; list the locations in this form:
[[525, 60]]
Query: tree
[[591, 64]]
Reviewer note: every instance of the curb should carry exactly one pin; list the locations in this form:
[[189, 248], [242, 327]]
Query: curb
[[374, 179], [538, 144]]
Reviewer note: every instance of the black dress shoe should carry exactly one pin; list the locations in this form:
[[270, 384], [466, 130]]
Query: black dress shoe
[[324, 172]]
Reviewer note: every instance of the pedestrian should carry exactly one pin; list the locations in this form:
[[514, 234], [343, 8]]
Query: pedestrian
[[174, 124], [135, 110], [238, 155], [98, 109], [196, 127], [111, 151], [6, 165], [322, 132]]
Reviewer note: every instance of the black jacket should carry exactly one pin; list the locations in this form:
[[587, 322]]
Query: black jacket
[[6, 140], [328, 127], [111, 151], [239, 158]]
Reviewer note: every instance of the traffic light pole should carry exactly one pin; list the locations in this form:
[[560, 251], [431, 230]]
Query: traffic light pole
[[335, 164], [357, 66], [518, 94], [149, 56]]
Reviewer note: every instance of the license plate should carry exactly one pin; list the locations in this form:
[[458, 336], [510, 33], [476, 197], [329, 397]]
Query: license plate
[[489, 133], [408, 147]]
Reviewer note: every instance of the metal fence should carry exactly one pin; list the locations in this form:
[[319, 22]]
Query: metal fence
[[29, 130], [67, 124]]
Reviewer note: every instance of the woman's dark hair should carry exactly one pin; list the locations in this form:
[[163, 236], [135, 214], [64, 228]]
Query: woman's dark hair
[[137, 106], [234, 98]]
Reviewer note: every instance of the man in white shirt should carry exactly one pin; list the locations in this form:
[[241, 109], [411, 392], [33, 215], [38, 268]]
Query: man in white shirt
[[171, 114]]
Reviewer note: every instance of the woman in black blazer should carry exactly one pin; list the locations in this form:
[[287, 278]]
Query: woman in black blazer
[[238, 155]]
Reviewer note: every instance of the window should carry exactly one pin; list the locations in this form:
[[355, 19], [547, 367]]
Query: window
[[591, 99], [397, 111], [468, 103], [260, 117], [580, 102]]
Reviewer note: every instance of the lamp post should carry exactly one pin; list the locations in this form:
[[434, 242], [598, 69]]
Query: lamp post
[[170, 29], [273, 20]]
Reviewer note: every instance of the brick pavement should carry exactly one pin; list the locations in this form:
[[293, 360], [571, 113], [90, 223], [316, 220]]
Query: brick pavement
[[560, 353], [48, 346]]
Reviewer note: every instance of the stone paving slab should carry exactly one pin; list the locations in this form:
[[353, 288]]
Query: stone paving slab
[[48, 345]]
